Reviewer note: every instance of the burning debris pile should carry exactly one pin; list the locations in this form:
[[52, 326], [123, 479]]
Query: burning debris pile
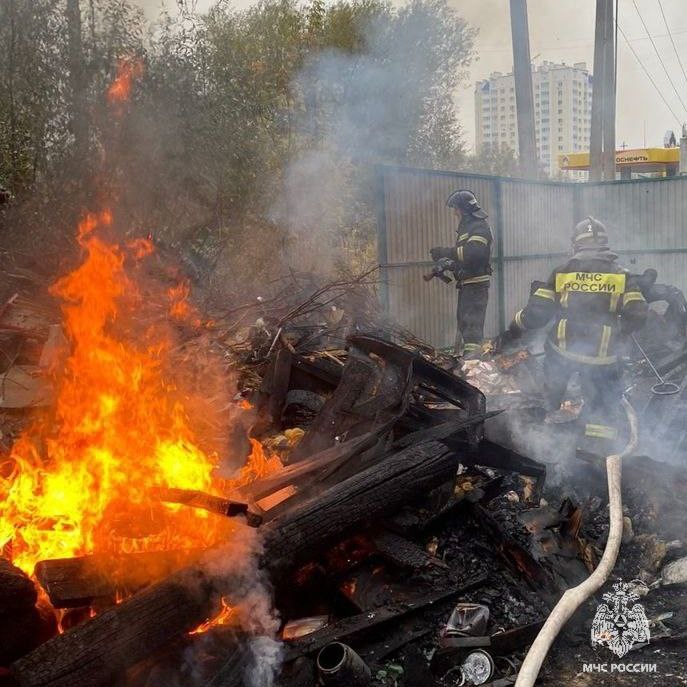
[[310, 496]]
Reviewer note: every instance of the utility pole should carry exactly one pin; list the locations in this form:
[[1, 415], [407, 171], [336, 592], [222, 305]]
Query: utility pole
[[524, 100], [602, 139], [596, 137], [609, 94]]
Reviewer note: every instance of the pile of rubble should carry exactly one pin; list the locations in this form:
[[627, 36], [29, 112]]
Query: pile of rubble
[[405, 542]]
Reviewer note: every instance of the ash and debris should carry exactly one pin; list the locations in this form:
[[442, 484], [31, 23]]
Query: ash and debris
[[312, 320]]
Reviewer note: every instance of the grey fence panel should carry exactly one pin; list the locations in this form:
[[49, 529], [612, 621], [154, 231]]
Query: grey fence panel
[[426, 309], [671, 267], [536, 218], [645, 213], [416, 218], [416, 214], [491, 323], [647, 224], [519, 275], [532, 223]]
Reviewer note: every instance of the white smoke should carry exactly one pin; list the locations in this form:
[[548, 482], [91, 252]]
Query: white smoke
[[266, 658], [247, 591], [362, 109]]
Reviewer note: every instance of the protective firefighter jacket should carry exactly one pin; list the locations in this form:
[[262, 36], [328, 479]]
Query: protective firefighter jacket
[[473, 251], [595, 303]]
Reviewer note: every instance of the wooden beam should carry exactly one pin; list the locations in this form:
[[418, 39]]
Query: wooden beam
[[74, 582], [94, 653]]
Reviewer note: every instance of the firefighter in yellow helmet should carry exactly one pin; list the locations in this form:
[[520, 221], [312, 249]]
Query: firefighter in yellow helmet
[[595, 304]]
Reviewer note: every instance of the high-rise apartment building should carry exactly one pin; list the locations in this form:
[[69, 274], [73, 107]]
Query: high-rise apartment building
[[562, 111]]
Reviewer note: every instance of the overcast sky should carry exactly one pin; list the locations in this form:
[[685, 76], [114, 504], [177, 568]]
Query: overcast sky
[[563, 31]]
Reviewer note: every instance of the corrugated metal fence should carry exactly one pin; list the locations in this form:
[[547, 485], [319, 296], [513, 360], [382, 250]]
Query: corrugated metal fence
[[532, 224]]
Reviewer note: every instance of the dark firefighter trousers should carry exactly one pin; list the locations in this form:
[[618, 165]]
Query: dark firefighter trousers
[[472, 309], [602, 415]]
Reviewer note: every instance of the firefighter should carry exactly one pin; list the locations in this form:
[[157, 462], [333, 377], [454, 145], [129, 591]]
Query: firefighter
[[471, 256], [676, 311], [595, 305]]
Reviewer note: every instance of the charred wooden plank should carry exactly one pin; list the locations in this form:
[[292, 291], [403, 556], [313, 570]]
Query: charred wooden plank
[[404, 553], [279, 384], [215, 504], [23, 630], [444, 430], [22, 625], [304, 471], [16, 589], [73, 582], [517, 638], [92, 654], [337, 415], [381, 489]]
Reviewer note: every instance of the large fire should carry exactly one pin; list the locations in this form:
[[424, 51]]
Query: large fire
[[83, 479]]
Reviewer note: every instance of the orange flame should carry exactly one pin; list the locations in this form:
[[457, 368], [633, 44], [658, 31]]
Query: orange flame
[[259, 465], [141, 248], [83, 481], [120, 89], [180, 308], [226, 616]]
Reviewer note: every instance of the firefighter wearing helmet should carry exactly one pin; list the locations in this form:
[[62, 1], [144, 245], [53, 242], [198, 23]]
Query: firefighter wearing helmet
[[595, 304], [472, 270]]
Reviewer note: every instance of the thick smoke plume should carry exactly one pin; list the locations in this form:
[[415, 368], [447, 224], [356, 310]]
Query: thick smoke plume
[[386, 104]]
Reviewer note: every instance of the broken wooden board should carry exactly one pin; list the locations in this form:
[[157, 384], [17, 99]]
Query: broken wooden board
[[215, 504], [25, 386], [74, 582], [404, 553], [369, 393]]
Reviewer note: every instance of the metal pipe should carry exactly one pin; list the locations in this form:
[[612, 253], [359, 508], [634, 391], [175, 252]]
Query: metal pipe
[[338, 665]]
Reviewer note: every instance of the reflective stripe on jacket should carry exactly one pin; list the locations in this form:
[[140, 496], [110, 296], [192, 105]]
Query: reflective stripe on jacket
[[473, 251], [593, 301]]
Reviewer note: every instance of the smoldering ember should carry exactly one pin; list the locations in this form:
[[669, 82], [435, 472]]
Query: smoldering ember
[[300, 385]]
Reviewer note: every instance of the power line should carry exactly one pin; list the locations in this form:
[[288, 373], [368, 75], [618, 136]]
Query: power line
[[677, 54], [575, 45], [658, 54], [648, 76]]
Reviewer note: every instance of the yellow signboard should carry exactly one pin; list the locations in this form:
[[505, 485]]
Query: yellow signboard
[[634, 156], [590, 282]]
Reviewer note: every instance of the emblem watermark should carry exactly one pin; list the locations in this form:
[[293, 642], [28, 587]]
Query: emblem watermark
[[619, 668], [619, 625]]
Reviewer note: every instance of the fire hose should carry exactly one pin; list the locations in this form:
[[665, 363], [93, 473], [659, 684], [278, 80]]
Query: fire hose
[[573, 598]]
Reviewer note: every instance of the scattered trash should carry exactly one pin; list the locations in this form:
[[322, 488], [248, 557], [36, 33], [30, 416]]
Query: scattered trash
[[467, 619], [304, 626], [477, 668]]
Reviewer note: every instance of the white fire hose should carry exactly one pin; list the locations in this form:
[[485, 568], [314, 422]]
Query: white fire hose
[[575, 597]]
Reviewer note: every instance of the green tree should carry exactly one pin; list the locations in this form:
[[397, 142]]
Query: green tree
[[497, 160], [241, 119]]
